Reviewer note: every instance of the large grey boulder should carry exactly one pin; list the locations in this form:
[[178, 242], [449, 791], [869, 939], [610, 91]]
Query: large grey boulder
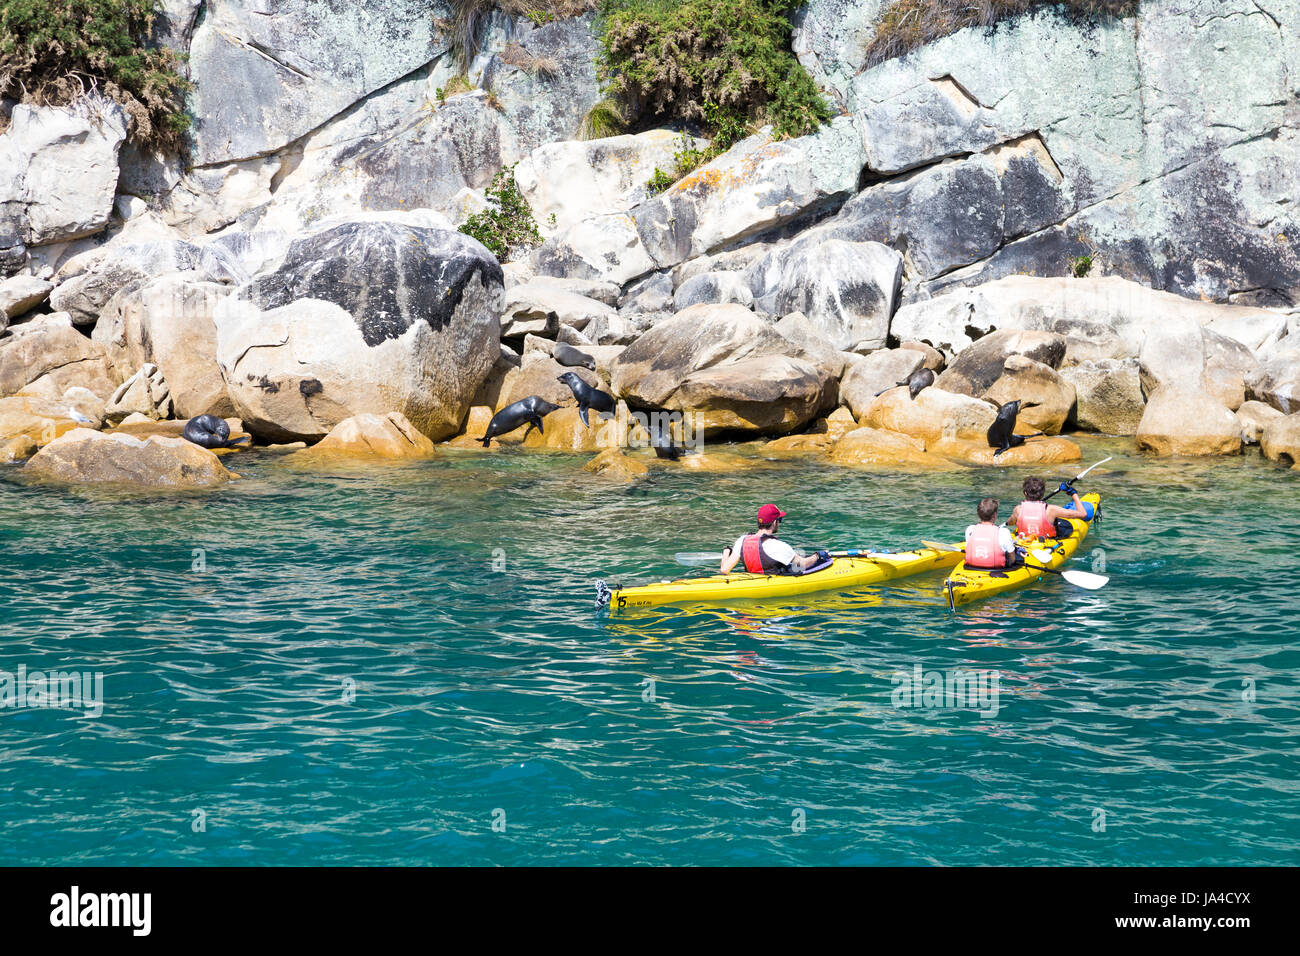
[[50, 350], [1108, 395], [829, 37], [1277, 380], [1177, 177], [977, 367], [1102, 317], [958, 212], [267, 74], [541, 309], [20, 294], [397, 153], [872, 374], [846, 289], [607, 248], [1187, 421], [574, 180], [88, 281], [727, 367], [58, 169], [712, 288], [168, 322], [758, 184], [362, 317], [1189, 355]]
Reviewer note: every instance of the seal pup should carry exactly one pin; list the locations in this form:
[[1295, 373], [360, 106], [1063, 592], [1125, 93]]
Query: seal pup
[[918, 380], [587, 396], [531, 410], [209, 431], [1000, 432], [566, 354]]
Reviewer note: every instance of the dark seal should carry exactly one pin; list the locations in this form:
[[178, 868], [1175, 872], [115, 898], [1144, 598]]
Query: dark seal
[[566, 354], [531, 410], [663, 444], [920, 379], [209, 431], [1000, 432], [587, 396]]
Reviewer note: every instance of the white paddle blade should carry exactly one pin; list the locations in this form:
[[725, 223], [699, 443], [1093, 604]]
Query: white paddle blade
[[695, 559], [1042, 554], [1086, 579], [938, 546]]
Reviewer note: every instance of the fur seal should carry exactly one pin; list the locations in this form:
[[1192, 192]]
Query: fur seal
[[587, 396], [663, 444], [209, 431], [566, 354], [918, 380], [531, 410], [1000, 432]]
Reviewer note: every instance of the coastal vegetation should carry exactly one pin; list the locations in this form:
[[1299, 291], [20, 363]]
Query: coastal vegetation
[[908, 24], [507, 225], [52, 52]]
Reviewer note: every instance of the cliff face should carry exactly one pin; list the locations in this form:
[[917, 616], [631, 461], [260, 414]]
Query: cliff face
[[1161, 148]]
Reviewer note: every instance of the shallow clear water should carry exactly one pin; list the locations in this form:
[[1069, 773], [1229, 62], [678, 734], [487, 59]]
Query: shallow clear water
[[350, 680]]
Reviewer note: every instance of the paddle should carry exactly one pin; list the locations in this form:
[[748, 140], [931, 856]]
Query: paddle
[[1083, 579], [1080, 475], [702, 558]]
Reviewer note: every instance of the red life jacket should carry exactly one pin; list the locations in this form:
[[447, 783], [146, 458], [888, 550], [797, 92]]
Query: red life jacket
[[983, 550], [1033, 520], [756, 559]]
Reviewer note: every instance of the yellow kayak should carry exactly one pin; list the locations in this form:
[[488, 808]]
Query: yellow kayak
[[974, 584], [842, 574]]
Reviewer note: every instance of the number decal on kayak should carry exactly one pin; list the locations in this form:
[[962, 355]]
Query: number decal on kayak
[[622, 601]]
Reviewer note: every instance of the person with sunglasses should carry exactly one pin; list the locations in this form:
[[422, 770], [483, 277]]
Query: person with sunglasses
[[764, 553]]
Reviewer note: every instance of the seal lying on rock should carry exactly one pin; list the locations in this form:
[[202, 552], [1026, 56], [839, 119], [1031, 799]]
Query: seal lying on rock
[[531, 410], [921, 378], [1000, 432], [209, 431], [587, 396], [566, 354]]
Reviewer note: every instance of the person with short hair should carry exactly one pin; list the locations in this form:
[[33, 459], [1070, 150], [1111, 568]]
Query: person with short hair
[[764, 553], [1034, 517], [989, 545]]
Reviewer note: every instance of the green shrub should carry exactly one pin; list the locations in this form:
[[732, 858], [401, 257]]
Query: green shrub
[[908, 24], [52, 51], [1080, 266], [726, 68], [508, 224]]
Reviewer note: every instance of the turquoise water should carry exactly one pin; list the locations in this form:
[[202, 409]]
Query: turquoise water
[[350, 680]]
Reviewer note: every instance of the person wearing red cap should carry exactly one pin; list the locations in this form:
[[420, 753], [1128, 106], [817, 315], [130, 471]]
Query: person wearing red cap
[[764, 553]]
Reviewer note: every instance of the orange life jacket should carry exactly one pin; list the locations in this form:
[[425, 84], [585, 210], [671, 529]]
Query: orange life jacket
[[983, 550], [1032, 520]]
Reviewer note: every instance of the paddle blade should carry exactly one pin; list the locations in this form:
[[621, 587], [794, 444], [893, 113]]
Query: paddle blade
[[1086, 579], [939, 546], [696, 559], [1042, 554]]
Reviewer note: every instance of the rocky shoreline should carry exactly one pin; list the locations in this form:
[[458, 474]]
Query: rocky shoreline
[[305, 279]]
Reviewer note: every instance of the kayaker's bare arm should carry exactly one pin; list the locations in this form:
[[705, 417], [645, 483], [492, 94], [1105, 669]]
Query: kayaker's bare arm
[[1014, 520], [729, 559], [1076, 510]]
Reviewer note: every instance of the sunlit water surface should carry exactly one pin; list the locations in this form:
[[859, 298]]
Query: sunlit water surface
[[405, 665]]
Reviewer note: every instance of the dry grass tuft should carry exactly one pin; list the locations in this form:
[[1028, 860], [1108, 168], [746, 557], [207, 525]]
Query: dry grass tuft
[[908, 24]]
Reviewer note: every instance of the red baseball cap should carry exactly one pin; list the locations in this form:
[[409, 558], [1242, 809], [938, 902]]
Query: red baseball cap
[[769, 513]]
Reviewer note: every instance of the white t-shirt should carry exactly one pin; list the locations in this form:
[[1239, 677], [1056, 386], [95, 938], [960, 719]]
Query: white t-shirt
[[1005, 541], [776, 549]]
